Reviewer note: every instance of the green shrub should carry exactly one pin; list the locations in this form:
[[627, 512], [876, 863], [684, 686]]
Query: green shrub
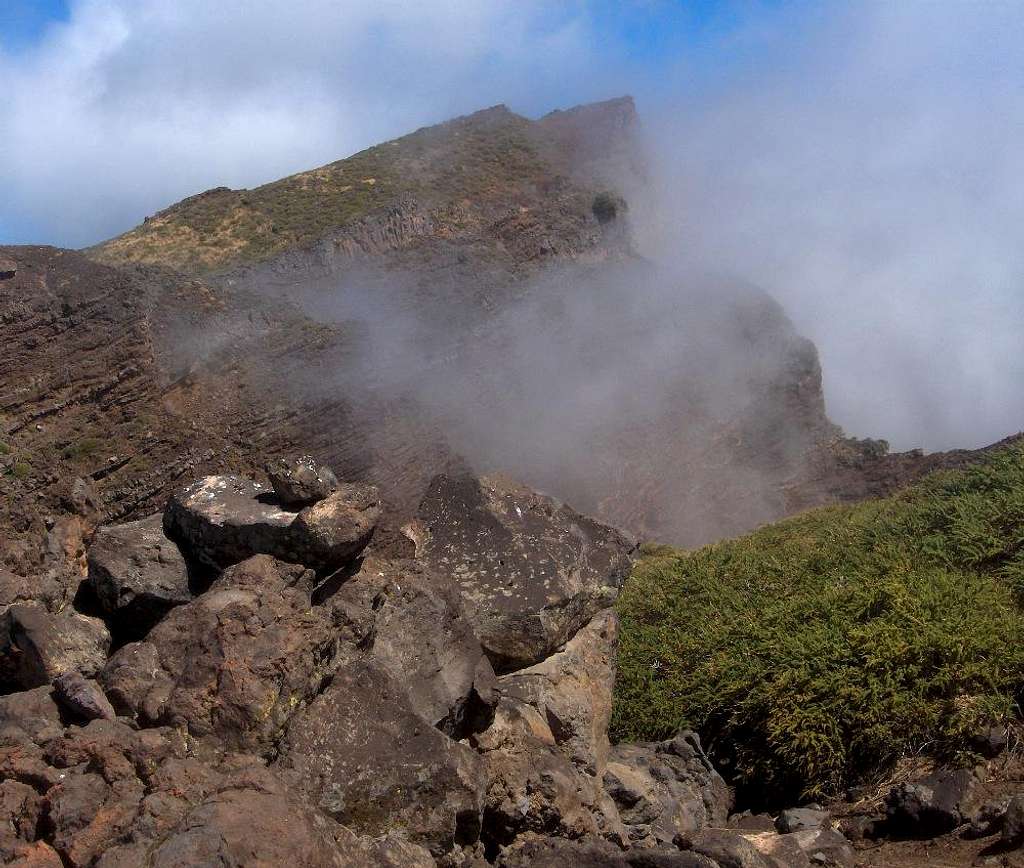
[[606, 207], [20, 470], [4, 448], [82, 449], [817, 651]]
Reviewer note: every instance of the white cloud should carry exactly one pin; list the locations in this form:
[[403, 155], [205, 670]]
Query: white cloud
[[864, 166], [135, 103]]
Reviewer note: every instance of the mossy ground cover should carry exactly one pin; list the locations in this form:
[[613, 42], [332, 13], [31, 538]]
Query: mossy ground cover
[[817, 651]]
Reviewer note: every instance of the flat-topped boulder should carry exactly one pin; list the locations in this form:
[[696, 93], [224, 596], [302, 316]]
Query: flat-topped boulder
[[222, 520], [137, 575], [531, 570]]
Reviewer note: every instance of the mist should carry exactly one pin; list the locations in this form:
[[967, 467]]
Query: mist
[[861, 163]]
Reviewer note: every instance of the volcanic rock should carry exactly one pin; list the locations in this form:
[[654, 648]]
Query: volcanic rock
[[335, 530], [929, 807], [572, 690], [533, 788], [34, 713], [225, 519], [666, 789], [795, 819], [83, 697], [299, 482], [412, 623], [1013, 823], [36, 646], [137, 574], [531, 571], [364, 757], [730, 850], [232, 665], [538, 852], [221, 520]]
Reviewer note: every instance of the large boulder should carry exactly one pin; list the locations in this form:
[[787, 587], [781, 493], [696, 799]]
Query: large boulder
[[931, 806], [137, 575], [336, 529], [666, 789], [531, 571], [232, 665], [36, 646], [364, 757], [572, 690], [412, 623], [221, 520]]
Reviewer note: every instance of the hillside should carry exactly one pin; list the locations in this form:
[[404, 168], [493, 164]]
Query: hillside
[[468, 170]]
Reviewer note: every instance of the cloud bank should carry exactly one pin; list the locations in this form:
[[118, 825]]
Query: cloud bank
[[862, 163], [859, 161]]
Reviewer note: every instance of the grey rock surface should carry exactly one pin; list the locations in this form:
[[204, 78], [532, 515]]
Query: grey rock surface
[[531, 571]]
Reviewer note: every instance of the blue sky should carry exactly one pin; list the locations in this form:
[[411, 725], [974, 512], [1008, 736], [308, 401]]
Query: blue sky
[[22, 22], [651, 30]]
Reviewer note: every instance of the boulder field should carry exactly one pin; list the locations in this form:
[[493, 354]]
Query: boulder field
[[245, 680]]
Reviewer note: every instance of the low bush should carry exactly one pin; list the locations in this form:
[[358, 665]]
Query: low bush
[[817, 651]]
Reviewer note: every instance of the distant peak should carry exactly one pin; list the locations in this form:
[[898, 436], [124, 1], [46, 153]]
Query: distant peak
[[620, 108]]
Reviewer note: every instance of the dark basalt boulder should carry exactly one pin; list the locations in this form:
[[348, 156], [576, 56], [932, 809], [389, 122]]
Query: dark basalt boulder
[[82, 697], [299, 482], [412, 623], [929, 807], [137, 575], [363, 756], [531, 571], [222, 520], [231, 666], [36, 646]]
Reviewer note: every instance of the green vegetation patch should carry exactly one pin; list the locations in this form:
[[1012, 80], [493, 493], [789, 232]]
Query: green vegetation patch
[[819, 650], [82, 449]]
